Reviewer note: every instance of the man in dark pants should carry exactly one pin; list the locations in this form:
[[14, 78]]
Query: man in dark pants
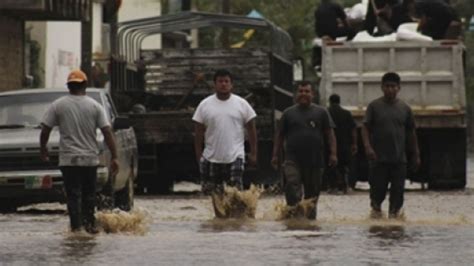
[[78, 116], [302, 128], [346, 136], [220, 122], [388, 126]]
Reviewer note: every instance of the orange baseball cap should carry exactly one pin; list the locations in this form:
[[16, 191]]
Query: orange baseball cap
[[76, 76]]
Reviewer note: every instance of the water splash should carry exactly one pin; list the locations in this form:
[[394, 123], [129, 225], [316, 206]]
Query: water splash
[[117, 221], [300, 210], [236, 204]]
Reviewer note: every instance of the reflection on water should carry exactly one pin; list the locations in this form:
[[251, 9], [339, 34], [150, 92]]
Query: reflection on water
[[301, 224], [78, 247], [396, 232], [223, 225]]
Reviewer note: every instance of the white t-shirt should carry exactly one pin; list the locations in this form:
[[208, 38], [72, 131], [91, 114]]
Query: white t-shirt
[[78, 118], [225, 127]]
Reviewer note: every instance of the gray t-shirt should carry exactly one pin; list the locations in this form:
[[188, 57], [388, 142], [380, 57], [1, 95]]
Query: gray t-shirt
[[388, 124], [78, 118], [303, 131]]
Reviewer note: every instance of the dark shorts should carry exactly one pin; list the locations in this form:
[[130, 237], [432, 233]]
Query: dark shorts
[[215, 175]]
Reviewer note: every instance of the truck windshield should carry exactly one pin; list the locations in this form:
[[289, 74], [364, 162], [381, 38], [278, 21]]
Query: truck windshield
[[26, 110]]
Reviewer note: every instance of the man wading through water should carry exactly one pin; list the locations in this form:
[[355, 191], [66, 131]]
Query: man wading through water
[[303, 127], [78, 116], [220, 123], [388, 127]]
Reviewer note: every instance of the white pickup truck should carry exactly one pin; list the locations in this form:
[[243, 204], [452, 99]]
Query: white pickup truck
[[25, 179], [432, 76]]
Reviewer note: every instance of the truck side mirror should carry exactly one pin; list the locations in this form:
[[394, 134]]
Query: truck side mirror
[[121, 122]]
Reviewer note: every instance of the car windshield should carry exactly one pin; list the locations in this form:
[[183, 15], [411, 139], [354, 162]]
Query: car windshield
[[27, 110]]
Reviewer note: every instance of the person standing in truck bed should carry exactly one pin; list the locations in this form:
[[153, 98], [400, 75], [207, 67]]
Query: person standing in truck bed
[[331, 21]]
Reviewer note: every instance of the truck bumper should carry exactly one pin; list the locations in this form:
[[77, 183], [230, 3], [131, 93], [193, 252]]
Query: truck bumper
[[24, 187]]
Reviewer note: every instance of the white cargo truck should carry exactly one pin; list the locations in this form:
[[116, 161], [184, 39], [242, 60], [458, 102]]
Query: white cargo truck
[[433, 85]]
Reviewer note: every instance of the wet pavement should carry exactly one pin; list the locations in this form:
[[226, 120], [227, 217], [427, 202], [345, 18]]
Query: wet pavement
[[437, 229]]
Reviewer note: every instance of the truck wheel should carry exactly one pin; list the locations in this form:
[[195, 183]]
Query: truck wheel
[[7, 207], [105, 198], [124, 197], [161, 185]]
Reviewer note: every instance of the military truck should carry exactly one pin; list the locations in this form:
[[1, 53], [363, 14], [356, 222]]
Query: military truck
[[433, 85], [176, 79]]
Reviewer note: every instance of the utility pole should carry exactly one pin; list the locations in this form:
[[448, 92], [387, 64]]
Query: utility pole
[[225, 9], [86, 40]]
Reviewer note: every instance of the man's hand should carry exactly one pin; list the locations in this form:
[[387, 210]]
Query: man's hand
[[354, 149], [252, 159], [114, 167], [332, 160], [417, 162], [44, 155], [198, 158], [275, 162], [370, 153]]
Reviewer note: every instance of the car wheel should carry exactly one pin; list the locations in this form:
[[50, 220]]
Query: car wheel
[[7, 207], [124, 197]]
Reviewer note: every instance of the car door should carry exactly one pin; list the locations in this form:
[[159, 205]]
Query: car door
[[123, 152]]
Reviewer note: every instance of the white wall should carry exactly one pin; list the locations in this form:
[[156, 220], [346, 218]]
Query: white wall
[[97, 18], [136, 9], [37, 32], [62, 53]]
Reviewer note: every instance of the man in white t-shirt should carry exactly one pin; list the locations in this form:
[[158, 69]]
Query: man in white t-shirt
[[220, 123], [77, 117]]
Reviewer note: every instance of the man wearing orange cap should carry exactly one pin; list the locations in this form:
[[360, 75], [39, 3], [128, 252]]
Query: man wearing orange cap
[[78, 116]]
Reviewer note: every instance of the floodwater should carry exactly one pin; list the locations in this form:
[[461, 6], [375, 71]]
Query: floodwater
[[437, 229]]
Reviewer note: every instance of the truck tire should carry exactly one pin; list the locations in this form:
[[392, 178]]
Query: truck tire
[[7, 206], [162, 184], [105, 198], [124, 197]]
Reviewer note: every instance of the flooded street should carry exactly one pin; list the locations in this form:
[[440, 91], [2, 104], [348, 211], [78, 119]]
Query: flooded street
[[438, 229]]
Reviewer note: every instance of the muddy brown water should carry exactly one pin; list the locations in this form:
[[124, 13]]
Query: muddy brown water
[[437, 229]]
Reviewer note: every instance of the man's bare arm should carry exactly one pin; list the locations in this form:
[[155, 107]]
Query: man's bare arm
[[416, 149], [332, 146], [354, 147], [44, 138], [199, 130], [369, 151], [252, 134]]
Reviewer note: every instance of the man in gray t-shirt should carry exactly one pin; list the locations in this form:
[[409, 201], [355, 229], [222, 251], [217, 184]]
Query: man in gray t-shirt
[[388, 126], [78, 116], [303, 128]]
